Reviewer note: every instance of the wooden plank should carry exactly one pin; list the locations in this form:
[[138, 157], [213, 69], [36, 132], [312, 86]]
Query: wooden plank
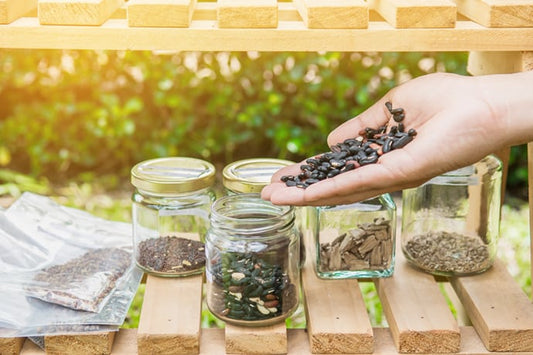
[[256, 340], [160, 13], [76, 12], [247, 14], [11, 346], [500, 311], [333, 13], [170, 316], [419, 318], [10, 10], [417, 13], [530, 198], [115, 34], [337, 321], [86, 344], [498, 13]]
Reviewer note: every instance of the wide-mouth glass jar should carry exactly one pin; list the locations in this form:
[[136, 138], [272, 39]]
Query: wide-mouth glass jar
[[252, 269], [170, 211], [252, 175], [356, 240], [450, 224]]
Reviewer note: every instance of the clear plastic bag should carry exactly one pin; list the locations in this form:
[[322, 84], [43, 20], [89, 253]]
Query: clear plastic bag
[[62, 270]]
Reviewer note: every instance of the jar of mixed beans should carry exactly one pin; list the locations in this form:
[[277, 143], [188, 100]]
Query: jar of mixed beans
[[252, 252], [356, 240], [170, 212], [450, 224]]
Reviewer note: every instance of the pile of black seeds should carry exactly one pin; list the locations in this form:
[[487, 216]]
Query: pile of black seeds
[[171, 255], [84, 282], [353, 153]]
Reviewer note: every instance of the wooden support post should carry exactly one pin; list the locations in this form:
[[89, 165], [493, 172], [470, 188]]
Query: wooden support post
[[170, 316], [247, 14], [86, 344], [333, 13], [76, 12], [160, 13], [497, 13], [417, 13], [10, 10], [11, 346], [256, 340]]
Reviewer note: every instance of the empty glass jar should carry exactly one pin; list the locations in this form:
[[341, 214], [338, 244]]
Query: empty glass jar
[[252, 269], [450, 225], [170, 212], [356, 240]]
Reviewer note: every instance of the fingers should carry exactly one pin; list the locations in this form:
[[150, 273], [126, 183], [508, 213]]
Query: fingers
[[375, 116]]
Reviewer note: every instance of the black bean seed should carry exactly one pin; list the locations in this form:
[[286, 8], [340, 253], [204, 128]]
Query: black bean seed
[[412, 132], [395, 111], [312, 161], [387, 146], [335, 148], [285, 178], [311, 181], [290, 183], [348, 167], [401, 127], [333, 172], [401, 142], [388, 104], [398, 117]]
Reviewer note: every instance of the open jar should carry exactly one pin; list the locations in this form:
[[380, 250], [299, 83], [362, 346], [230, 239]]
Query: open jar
[[252, 175], [170, 212], [356, 240], [252, 272], [450, 225]]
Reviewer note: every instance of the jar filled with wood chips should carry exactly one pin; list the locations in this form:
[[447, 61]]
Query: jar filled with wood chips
[[450, 225], [170, 214], [252, 175], [252, 272], [356, 240]]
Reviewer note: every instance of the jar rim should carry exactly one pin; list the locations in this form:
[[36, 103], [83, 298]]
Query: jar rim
[[250, 215], [173, 175], [251, 175]]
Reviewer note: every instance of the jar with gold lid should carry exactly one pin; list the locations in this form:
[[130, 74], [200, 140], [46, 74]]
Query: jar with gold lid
[[170, 214], [252, 175]]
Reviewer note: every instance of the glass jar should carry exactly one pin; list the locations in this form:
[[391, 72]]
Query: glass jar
[[170, 212], [356, 240], [450, 224], [252, 175], [252, 261]]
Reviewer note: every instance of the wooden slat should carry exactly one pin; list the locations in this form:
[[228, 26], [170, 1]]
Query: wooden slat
[[498, 308], [417, 13], [498, 13], [247, 14], [11, 346], [527, 64], [417, 313], [11, 10], [160, 13], [333, 13], [86, 344], [289, 36], [76, 12], [256, 340], [170, 316], [337, 321]]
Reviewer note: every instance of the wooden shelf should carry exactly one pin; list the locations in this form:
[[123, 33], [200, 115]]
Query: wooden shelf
[[290, 34]]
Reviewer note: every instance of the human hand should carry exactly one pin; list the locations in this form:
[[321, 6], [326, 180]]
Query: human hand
[[457, 125]]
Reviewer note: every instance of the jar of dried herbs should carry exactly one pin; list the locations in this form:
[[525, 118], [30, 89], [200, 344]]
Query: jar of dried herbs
[[252, 252], [252, 175], [450, 225], [170, 212], [356, 240]]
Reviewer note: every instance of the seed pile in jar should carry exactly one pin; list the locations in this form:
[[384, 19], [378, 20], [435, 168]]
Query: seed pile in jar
[[171, 254], [368, 247], [354, 152], [83, 282], [252, 288], [448, 252]]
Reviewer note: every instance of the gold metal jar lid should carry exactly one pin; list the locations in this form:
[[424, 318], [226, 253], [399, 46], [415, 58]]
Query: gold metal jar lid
[[251, 175], [173, 175]]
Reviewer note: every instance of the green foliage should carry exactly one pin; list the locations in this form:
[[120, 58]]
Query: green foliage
[[66, 113]]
